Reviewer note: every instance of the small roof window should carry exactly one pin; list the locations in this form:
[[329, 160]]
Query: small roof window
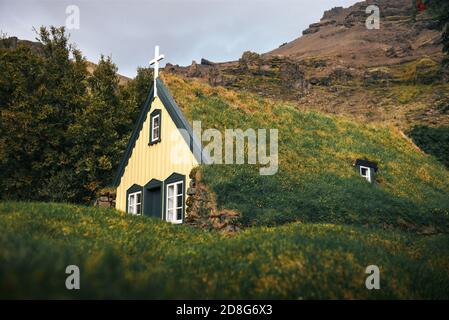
[[367, 169]]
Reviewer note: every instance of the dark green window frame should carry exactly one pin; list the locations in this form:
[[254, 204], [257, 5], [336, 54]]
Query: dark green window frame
[[156, 113], [133, 189]]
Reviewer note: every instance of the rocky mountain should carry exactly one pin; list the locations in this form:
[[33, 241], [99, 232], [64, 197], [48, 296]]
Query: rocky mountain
[[391, 75], [338, 65], [342, 36]]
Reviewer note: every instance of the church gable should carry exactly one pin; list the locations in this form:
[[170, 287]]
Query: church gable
[[154, 173], [152, 114]]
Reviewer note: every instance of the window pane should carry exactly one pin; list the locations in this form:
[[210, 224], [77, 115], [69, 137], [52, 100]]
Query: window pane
[[363, 171], [179, 214], [179, 188], [155, 126], [170, 215], [137, 209], [139, 196], [131, 200], [170, 203], [171, 191], [179, 201]]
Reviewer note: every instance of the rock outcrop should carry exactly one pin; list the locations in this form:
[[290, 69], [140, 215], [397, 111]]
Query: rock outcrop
[[249, 59], [332, 13], [194, 71], [315, 27], [206, 62], [293, 76], [377, 76]]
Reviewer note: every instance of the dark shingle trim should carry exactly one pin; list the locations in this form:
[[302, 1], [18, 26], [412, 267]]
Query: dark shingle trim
[[179, 120], [366, 163], [134, 137]]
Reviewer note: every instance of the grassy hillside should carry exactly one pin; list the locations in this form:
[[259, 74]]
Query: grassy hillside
[[316, 181], [315, 225], [124, 256]]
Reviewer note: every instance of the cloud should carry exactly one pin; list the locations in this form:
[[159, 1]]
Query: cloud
[[186, 30]]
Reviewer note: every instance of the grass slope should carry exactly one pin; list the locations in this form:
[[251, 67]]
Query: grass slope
[[123, 256], [316, 181], [316, 225]]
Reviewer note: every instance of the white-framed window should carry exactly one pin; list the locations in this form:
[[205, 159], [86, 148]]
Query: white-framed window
[[155, 126], [365, 172], [175, 202], [135, 203]]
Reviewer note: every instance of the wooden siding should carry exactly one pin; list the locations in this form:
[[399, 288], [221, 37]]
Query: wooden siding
[[155, 161]]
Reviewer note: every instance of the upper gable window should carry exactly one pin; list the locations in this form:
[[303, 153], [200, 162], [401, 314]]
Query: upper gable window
[[155, 126]]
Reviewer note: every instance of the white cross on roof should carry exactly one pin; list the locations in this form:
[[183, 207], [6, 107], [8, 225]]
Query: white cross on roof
[[155, 62]]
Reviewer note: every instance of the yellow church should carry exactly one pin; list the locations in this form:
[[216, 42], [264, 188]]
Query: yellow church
[[153, 176]]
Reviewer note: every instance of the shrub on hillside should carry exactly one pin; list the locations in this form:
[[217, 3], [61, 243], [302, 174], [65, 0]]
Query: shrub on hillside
[[434, 141]]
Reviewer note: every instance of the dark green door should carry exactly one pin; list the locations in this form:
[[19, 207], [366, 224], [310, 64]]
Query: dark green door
[[153, 202]]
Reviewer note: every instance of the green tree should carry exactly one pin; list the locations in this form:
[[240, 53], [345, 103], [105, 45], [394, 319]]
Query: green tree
[[39, 96], [22, 125], [63, 130], [100, 130]]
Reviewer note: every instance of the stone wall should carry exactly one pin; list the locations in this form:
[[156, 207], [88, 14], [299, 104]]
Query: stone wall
[[105, 199], [202, 209]]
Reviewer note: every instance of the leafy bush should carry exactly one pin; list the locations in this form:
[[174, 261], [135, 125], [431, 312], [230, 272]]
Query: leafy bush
[[434, 141], [60, 187]]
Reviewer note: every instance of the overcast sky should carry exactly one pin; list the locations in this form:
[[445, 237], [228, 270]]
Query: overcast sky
[[186, 30]]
